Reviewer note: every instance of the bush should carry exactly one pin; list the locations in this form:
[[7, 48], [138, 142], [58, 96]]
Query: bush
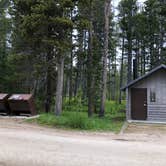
[[113, 107], [80, 121], [75, 105], [75, 117]]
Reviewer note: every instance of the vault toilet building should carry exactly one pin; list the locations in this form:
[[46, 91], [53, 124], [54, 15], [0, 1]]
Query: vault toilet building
[[146, 97]]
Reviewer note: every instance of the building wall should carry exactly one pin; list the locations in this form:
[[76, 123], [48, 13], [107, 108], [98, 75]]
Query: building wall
[[154, 83], [128, 113]]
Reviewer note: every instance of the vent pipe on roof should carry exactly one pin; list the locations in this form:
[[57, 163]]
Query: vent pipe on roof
[[135, 71]]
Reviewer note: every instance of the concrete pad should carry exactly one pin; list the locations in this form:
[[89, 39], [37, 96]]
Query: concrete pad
[[19, 117]]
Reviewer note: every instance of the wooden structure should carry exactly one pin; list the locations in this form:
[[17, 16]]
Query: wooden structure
[[22, 104], [4, 109], [146, 97]]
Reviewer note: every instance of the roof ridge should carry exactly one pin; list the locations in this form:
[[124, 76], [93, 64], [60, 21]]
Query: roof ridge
[[144, 76]]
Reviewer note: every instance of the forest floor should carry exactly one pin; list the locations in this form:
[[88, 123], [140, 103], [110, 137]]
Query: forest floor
[[24, 144]]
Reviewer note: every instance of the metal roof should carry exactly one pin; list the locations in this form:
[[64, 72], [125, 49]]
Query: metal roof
[[20, 97], [3, 95], [144, 76]]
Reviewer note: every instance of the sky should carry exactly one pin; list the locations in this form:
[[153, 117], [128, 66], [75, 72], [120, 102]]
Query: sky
[[115, 4], [117, 1]]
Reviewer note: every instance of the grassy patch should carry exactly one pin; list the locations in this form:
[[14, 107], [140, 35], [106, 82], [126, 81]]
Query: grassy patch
[[113, 120]]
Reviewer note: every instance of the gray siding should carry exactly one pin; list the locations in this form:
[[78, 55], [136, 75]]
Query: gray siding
[[128, 106], [156, 83]]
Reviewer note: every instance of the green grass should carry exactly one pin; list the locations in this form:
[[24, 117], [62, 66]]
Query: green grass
[[113, 107], [112, 121]]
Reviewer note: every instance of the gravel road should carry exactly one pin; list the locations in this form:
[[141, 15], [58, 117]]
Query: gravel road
[[22, 144]]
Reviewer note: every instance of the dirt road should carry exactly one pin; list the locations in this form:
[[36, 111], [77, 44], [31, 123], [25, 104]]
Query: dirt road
[[27, 145]]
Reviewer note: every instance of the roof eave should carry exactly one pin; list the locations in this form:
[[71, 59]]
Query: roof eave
[[142, 77]]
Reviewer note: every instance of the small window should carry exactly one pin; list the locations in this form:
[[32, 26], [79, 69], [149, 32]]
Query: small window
[[152, 96]]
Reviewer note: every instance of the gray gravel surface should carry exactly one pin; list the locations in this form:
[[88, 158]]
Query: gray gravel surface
[[22, 144]]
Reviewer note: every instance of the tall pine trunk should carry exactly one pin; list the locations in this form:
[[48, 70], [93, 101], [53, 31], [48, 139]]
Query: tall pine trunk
[[90, 77], [59, 88], [130, 45], [109, 79], [105, 57], [48, 83], [129, 72], [121, 70], [71, 76]]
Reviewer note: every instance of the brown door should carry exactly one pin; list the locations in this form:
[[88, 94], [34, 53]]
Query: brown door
[[139, 104]]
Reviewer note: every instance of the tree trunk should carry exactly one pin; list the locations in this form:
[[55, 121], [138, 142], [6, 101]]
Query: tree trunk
[[71, 76], [121, 71], [105, 56], [59, 88], [71, 63], [84, 73], [130, 45], [143, 58], [35, 88], [90, 76], [129, 72], [48, 84], [109, 79]]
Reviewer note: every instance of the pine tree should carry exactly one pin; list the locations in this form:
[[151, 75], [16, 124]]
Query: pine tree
[[5, 31], [47, 25]]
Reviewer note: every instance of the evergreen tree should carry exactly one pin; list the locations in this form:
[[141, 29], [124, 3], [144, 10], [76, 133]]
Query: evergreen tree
[[46, 25], [5, 31]]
